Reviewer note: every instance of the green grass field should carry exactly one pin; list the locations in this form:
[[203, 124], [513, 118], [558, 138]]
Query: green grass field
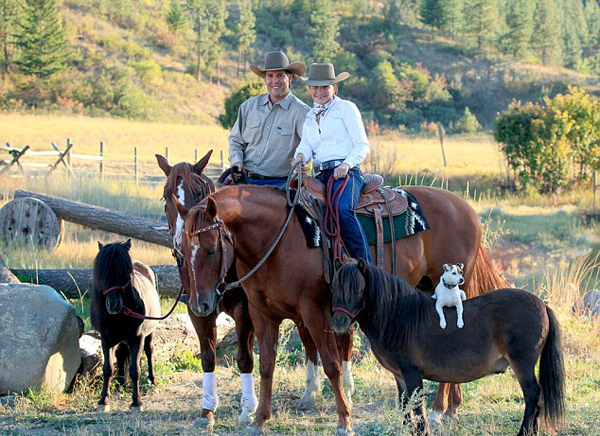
[[538, 242]]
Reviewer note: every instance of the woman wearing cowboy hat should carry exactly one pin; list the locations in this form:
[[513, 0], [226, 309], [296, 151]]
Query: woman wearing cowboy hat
[[334, 136]]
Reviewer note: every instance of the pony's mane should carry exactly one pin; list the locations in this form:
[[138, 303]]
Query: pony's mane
[[191, 220], [199, 184], [112, 266], [395, 308]]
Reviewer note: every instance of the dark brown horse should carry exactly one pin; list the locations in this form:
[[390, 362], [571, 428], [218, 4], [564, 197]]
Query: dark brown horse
[[240, 223], [188, 183], [502, 328], [119, 284]]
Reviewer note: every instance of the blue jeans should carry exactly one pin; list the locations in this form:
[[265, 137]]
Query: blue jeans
[[352, 232], [270, 182]]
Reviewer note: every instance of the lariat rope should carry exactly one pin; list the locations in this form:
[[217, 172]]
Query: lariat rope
[[292, 203]]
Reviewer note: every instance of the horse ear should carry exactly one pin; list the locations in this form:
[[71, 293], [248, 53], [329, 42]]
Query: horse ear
[[337, 263], [127, 244], [211, 207], [362, 265], [180, 207], [202, 163], [163, 163], [461, 266], [100, 245]]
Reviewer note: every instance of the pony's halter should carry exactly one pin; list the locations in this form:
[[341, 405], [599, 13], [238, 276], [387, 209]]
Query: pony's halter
[[223, 235], [114, 288], [351, 315]]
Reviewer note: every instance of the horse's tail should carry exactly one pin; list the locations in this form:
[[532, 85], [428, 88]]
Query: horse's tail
[[552, 374], [485, 277]]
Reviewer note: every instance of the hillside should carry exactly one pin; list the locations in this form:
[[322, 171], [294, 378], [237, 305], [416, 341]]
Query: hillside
[[127, 61]]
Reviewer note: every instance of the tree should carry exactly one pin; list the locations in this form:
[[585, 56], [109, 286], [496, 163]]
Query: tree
[[391, 13], [516, 39], [480, 18], [324, 29], [245, 32], [41, 39], [592, 14], [8, 18], [433, 13], [176, 17], [545, 39], [235, 99]]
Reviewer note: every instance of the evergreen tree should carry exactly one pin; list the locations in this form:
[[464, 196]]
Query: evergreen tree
[[480, 18], [391, 13], [324, 29], [176, 17], [516, 39], [572, 46], [433, 13], [244, 32], [8, 18], [41, 40], [546, 39], [453, 11], [592, 14]]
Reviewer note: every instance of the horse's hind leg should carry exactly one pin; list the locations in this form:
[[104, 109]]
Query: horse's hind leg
[[313, 377], [445, 404], [525, 374], [134, 372], [245, 361], [121, 354], [107, 371], [149, 351], [345, 349]]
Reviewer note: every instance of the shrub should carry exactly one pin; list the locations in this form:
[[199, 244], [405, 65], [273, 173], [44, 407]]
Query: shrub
[[235, 99], [147, 70], [467, 123]]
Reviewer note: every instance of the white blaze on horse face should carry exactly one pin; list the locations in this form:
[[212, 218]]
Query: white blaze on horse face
[[195, 249], [179, 223]]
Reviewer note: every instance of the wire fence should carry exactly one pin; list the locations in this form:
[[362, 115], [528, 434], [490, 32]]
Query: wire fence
[[127, 167]]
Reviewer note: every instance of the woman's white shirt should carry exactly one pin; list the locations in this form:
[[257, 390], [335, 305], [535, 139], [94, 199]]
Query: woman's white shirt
[[340, 135]]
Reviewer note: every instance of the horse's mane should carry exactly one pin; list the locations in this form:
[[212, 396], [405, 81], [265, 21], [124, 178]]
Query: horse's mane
[[191, 220], [199, 183], [112, 266], [395, 308]]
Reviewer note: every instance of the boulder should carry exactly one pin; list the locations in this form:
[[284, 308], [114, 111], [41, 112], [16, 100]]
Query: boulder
[[590, 303], [39, 339]]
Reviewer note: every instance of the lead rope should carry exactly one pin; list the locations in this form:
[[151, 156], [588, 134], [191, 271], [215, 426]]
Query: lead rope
[[292, 203], [331, 226]]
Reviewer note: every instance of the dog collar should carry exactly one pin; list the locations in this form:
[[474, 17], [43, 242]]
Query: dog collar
[[447, 285]]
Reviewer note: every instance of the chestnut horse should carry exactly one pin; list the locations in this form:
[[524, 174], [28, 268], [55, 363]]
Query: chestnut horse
[[239, 223], [504, 327], [188, 183]]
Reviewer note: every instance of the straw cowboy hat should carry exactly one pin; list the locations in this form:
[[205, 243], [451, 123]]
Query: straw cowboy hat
[[277, 60], [322, 75]]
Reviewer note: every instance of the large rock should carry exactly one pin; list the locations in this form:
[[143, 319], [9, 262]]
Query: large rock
[[39, 339]]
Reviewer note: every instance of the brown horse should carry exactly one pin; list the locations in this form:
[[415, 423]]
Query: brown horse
[[188, 183], [502, 328], [240, 222]]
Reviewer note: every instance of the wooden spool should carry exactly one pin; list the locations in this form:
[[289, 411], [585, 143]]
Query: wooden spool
[[29, 221]]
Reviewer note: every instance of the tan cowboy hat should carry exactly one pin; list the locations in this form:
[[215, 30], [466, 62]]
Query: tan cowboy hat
[[277, 60], [322, 75]]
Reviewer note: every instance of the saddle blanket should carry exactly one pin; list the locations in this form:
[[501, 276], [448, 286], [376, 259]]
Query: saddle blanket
[[412, 221]]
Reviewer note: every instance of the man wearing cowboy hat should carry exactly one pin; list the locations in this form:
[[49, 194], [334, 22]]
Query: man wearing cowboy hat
[[269, 126], [334, 135]]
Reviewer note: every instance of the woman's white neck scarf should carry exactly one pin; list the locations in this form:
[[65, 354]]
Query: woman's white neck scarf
[[320, 109]]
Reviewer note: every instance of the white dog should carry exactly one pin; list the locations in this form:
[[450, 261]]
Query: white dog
[[448, 294]]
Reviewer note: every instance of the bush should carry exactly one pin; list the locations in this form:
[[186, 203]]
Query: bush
[[235, 99], [467, 123], [147, 70]]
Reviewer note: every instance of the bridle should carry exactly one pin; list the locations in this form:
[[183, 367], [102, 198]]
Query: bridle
[[351, 315]]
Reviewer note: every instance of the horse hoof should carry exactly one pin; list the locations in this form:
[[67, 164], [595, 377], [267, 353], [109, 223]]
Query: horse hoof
[[136, 409], [435, 419], [246, 417], [308, 402], [103, 408], [253, 431], [204, 423], [344, 432]]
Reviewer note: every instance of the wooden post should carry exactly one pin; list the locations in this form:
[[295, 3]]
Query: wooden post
[[167, 153], [68, 152], [135, 172], [102, 160], [222, 160], [195, 155], [440, 133]]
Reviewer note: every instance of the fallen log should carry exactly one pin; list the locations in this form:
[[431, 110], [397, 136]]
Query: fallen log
[[73, 283], [101, 218]]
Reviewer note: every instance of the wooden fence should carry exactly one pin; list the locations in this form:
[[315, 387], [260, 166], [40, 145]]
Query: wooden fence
[[127, 167]]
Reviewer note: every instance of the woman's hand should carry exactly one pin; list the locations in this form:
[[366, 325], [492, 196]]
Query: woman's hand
[[341, 171]]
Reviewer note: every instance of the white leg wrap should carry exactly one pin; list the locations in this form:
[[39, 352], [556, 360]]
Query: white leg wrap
[[249, 400], [313, 384], [210, 399], [348, 379]]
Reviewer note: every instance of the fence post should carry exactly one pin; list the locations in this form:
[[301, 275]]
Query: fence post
[[167, 153], [195, 155], [102, 160], [440, 133], [135, 172], [222, 160], [69, 153]]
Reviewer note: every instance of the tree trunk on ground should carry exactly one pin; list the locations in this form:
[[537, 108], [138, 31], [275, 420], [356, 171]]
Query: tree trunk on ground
[[101, 218], [73, 283], [6, 276]]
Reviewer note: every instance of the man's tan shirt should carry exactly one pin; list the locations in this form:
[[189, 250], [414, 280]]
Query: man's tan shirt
[[265, 136]]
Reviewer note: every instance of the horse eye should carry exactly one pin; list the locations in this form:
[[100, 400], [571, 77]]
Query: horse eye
[[212, 253]]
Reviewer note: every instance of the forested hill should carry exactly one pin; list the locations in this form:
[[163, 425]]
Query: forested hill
[[413, 62]]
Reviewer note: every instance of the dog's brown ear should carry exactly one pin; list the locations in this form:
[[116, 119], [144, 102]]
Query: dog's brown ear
[[461, 266]]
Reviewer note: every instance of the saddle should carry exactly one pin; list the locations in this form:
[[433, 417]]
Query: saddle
[[375, 201]]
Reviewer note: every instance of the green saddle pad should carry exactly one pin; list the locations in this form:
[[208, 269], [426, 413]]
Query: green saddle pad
[[400, 228]]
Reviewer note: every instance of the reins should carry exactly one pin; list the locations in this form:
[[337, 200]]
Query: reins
[[128, 312], [331, 224]]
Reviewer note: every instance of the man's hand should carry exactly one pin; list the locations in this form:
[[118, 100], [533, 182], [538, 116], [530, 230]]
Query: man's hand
[[300, 158], [239, 165], [341, 171]]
